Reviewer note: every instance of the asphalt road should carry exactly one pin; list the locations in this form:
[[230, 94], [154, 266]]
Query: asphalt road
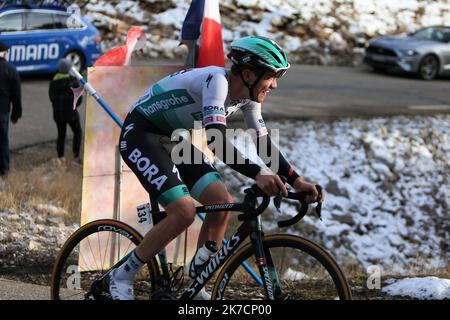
[[306, 92], [13, 290]]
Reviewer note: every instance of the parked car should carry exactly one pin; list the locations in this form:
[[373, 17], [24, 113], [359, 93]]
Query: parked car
[[40, 35], [425, 52]]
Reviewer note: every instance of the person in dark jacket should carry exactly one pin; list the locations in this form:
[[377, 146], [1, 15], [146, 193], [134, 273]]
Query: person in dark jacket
[[61, 96], [10, 94]]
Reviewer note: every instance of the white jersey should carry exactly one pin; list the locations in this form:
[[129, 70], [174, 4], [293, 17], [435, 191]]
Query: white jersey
[[199, 94]]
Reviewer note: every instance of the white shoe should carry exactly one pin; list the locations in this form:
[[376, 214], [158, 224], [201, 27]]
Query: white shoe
[[202, 295], [120, 289]]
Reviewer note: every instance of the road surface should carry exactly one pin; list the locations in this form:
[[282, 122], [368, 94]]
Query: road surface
[[306, 92]]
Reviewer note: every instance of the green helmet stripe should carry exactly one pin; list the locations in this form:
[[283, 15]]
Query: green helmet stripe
[[259, 51]]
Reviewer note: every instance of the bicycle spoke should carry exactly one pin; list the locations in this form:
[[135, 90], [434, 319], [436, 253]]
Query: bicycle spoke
[[107, 244], [90, 247]]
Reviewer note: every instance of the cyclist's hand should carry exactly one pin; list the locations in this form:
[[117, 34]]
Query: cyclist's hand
[[271, 184], [304, 186]]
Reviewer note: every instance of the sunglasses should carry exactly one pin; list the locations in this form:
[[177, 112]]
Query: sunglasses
[[280, 73]]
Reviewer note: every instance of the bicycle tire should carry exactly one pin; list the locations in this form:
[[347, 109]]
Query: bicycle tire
[[87, 230], [283, 241]]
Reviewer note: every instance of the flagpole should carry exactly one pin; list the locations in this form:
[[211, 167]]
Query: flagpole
[[92, 91]]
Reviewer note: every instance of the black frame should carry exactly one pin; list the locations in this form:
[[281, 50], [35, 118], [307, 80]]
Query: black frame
[[248, 228]]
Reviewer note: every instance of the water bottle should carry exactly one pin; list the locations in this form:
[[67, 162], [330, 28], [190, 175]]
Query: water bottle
[[202, 257]]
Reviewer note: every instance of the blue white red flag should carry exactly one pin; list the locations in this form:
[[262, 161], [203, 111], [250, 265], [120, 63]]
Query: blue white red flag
[[202, 24]]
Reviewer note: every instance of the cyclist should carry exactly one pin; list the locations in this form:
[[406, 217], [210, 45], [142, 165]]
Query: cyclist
[[209, 94]]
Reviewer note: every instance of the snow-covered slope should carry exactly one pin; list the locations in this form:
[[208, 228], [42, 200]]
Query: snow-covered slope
[[387, 184], [429, 288], [313, 31]]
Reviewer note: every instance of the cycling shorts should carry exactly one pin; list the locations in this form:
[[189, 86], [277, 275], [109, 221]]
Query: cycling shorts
[[147, 152]]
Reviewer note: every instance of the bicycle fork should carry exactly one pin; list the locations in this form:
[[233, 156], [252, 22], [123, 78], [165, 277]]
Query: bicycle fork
[[264, 262]]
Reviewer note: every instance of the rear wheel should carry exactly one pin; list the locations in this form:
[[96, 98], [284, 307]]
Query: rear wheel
[[90, 252], [429, 67], [299, 270]]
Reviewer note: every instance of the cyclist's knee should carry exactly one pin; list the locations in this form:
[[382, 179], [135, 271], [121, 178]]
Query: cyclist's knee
[[223, 197], [183, 211], [219, 196]]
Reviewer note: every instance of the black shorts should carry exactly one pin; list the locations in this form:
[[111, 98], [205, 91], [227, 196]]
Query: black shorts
[[147, 153]]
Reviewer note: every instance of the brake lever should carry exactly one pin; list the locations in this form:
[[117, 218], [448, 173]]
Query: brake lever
[[318, 208], [278, 198], [277, 202]]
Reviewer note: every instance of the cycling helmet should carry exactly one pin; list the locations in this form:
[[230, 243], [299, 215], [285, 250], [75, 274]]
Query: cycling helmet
[[259, 53]]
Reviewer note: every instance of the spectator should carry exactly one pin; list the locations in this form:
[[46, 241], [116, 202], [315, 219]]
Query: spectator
[[9, 94], [61, 96]]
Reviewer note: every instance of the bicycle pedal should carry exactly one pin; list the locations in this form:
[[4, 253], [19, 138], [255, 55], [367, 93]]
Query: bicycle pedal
[[100, 290]]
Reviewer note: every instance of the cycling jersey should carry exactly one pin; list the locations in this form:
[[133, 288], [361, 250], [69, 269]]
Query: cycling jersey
[[178, 101]]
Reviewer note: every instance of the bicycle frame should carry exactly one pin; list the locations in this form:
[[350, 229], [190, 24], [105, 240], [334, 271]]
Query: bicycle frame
[[250, 228]]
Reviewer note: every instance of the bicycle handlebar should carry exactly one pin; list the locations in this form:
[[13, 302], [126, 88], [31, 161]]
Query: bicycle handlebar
[[254, 192]]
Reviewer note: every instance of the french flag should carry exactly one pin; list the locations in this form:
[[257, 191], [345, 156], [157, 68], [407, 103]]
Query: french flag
[[202, 25]]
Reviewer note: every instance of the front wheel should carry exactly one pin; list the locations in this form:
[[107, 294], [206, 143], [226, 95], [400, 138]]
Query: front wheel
[[299, 270], [90, 252]]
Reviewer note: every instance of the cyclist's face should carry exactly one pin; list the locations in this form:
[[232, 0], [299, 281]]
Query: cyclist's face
[[267, 83]]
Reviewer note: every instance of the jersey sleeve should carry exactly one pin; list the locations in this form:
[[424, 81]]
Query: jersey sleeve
[[214, 93], [253, 118]]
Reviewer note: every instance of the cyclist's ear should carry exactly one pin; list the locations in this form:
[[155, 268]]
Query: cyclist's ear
[[248, 75]]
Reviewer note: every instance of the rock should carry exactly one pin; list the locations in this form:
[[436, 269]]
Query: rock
[[346, 218], [33, 245], [13, 217], [333, 188], [55, 221], [15, 235]]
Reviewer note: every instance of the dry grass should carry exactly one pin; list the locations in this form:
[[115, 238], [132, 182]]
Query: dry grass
[[38, 178]]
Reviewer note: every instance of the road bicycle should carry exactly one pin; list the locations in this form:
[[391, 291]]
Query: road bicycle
[[274, 266]]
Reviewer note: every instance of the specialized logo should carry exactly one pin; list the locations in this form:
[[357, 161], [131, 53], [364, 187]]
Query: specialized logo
[[268, 282], [128, 129], [214, 264], [33, 52], [149, 170], [123, 145], [175, 170], [219, 206], [230, 110], [208, 81], [168, 100], [222, 286]]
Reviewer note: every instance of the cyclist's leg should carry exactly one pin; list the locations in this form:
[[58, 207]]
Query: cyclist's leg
[[216, 223], [144, 154], [206, 186]]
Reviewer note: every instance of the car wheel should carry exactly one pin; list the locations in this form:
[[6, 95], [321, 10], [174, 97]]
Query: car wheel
[[76, 59], [379, 69], [429, 67]]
